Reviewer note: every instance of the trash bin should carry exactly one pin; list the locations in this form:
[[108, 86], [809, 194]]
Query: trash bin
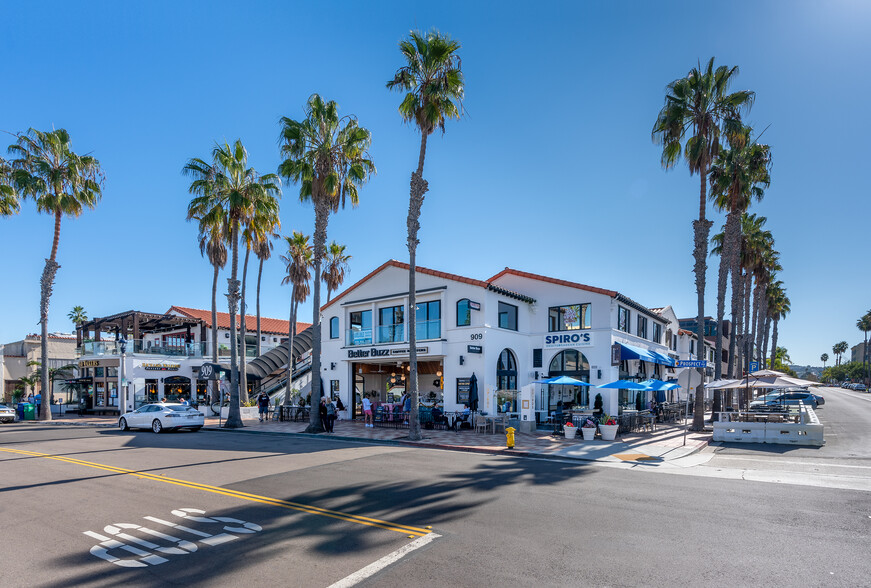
[[29, 412], [20, 410]]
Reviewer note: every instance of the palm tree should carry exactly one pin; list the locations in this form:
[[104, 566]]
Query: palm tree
[[77, 315], [335, 268], [229, 186], [824, 358], [9, 203], [700, 105], [765, 272], [260, 223], [263, 251], [62, 183], [432, 80], [780, 307], [213, 237], [738, 176], [298, 262], [840, 349], [328, 157], [864, 325]]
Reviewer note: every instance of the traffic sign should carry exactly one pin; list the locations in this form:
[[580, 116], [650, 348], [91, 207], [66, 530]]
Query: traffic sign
[[689, 379], [692, 363], [754, 366]]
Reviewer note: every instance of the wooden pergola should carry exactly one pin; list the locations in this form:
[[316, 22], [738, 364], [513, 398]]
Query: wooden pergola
[[129, 325]]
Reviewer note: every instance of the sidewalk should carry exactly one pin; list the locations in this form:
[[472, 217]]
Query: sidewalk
[[662, 445]]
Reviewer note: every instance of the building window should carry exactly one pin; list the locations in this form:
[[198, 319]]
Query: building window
[[642, 326], [506, 371], [111, 372], [98, 372], [622, 319], [507, 316], [464, 313], [657, 333], [429, 320], [692, 346], [536, 358], [568, 318], [334, 327], [391, 321], [360, 332]]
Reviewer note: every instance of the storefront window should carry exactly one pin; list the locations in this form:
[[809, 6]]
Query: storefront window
[[507, 316], [429, 320], [622, 319], [111, 372], [506, 371], [113, 393], [98, 372], [568, 318], [391, 327], [360, 332], [464, 313]]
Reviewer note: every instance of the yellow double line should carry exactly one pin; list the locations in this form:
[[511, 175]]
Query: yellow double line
[[406, 529]]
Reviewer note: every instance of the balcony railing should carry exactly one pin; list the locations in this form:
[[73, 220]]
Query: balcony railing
[[145, 347], [396, 333], [358, 337], [391, 333], [429, 330]]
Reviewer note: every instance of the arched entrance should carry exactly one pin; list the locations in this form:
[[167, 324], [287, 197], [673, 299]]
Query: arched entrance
[[176, 387], [506, 382], [574, 364]]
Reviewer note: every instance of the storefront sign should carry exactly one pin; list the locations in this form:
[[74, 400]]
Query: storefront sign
[[474, 305], [161, 367], [375, 352], [463, 385], [474, 349], [209, 371], [89, 363], [584, 339], [616, 354]]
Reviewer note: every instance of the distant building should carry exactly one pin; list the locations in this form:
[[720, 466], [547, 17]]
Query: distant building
[[16, 356], [691, 324], [857, 352]]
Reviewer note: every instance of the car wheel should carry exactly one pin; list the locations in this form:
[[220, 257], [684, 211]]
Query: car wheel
[[122, 424], [195, 429], [157, 426]]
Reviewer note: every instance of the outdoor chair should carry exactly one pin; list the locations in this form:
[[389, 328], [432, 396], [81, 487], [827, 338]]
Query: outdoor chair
[[501, 423], [481, 424]]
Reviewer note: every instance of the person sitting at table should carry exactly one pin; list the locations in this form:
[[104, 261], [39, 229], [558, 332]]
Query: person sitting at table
[[438, 417], [463, 417]]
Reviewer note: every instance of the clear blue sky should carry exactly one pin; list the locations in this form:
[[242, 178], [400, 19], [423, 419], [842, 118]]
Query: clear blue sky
[[551, 171]]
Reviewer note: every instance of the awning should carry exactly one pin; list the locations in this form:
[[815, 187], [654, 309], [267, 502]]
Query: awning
[[632, 352]]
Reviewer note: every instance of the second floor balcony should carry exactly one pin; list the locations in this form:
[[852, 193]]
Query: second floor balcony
[[426, 330], [144, 347]]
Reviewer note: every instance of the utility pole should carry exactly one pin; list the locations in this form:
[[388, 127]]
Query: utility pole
[[123, 408]]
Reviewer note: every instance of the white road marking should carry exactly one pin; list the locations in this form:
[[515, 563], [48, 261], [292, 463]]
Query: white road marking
[[385, 561]]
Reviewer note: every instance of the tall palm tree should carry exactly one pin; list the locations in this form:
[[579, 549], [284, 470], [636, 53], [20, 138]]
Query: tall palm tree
[[773, 290], [328, 157], [780, 307], [840, 349], [433, 84], [335, 267], [263, 251], [63, 183], [228, 185], [699, 105], [259, 225], [824, 358], [764, 273], [9, 203], [738, 176], [298, 261], [77, 315], [864, 325]]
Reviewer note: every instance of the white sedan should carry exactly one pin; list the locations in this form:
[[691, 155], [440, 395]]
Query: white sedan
[[7, 414], [163, 417]]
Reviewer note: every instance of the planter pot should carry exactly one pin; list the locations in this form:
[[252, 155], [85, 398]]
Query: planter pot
[[248, 412], [609, 432], [570, 432], [589, 433]]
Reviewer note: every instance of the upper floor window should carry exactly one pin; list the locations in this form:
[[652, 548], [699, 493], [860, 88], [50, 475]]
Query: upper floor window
[[360, 332], [464, 313], [429, 319], [334, 327], [507, 316], [568, 318], [657, 333], [391, 324], [623, 319], [642, 326]]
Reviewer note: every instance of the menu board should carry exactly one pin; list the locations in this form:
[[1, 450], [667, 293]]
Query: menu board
[[463, 385]]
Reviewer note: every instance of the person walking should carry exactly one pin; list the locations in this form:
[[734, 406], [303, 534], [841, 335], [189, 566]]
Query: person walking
[[38, 400], [367, 411], [322, 409], [263, 404], [331, 415]]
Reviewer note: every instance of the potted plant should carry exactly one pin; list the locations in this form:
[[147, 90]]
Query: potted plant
[[589, 429], [570, 430], [608, 427]]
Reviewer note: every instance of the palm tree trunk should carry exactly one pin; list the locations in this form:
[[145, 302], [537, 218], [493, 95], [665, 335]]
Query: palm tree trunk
[[418, 189], [214, 384], [736, 319], [259, 276], [322, 213], [234, 415], [758, 302], [46, 284], [765, 340], [243, 375], [701, 229], [291, 331], [774, 343]]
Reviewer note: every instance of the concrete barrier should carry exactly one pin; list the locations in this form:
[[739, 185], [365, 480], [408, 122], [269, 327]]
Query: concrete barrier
[[808, 431]]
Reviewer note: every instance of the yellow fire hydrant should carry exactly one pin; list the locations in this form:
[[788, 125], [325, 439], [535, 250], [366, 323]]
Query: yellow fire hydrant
[[509, 437]]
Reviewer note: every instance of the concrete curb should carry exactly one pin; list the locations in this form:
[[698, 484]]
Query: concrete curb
[[67, 424], [441, 446]]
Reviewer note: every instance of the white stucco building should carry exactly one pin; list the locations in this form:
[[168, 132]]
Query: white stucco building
[[508, 330]]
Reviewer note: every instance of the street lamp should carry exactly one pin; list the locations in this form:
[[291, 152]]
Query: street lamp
[[123, 408]]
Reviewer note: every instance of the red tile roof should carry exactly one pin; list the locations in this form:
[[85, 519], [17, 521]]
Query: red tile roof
[[267, 325], [514, 272], [405, 266]]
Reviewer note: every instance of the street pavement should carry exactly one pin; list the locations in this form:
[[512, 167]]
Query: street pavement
[[313, 511]]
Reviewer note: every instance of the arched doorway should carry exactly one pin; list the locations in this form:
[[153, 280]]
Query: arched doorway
[[574, 364], [176, 387], [506, 382]]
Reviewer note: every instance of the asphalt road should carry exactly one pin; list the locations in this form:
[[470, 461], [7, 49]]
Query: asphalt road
[[310, 512]]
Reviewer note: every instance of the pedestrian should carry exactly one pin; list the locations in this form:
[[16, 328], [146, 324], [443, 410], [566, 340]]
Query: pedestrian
[[38, 400], [406, 406], [322, 409], [263, 404], [331, 415], [339, 405], [185, 401], [367, 411]]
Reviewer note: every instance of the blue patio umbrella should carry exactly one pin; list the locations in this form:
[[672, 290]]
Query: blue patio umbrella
[[625, 385], [563, 381]]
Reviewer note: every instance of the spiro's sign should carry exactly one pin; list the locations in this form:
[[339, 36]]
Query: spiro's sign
[[584, 339]]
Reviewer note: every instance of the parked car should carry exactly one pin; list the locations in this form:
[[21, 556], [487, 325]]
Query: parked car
[[7, 414], [786, 398], [162, 416], [858, 387], [820, 400]]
